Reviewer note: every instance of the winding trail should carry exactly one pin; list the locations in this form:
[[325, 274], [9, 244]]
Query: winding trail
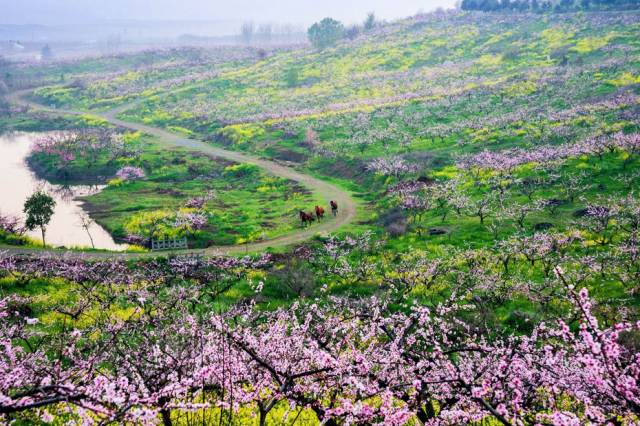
[[325, 190]]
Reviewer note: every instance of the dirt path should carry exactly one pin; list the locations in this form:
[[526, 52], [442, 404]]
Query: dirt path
[[325, 190]]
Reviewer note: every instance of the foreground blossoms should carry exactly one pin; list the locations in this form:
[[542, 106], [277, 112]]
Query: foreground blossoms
[[346, 361]]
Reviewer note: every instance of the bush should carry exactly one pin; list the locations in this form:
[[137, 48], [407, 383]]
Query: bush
[[242, 170], [325, 33], [294, 278], [352, 32], [292, 77]]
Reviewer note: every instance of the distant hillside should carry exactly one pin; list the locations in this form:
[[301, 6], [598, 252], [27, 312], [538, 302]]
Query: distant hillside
[[425, 57]]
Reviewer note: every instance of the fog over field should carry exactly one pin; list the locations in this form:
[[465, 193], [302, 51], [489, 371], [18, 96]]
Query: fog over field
[[54, 12], [80, 28]]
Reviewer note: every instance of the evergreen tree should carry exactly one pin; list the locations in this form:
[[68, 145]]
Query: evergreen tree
[[325, 33], [370, 22]]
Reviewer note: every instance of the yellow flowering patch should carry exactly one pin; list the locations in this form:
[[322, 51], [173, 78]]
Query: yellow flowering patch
[[498, 38], [625, 79], [181, 130], [266, 188], [556, 37], [158, 116], [494, 81], [466, 33], [522, 88], [448, 172], [92, 120], [242, 133], [589, 44], [489, 60], [129, 76]]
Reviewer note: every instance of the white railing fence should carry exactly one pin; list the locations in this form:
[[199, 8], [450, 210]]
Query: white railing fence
[[169, 244]]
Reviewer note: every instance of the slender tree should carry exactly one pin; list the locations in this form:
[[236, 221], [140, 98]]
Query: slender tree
[[86, 222], [39, 209], [247, 31], [370, 22]]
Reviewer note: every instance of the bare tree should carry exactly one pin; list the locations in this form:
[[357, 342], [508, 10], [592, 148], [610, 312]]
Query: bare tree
[[483, 207], [86, 222], [265, 33], [247, 31]]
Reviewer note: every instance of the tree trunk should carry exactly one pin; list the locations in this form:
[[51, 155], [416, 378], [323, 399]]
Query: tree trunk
[[262, 414], [43, 232], [426, 413], [263, 417], [166, 417], [86, 228], [320, 414]]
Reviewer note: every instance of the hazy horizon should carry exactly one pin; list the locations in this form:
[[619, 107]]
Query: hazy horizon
[[67, 12]]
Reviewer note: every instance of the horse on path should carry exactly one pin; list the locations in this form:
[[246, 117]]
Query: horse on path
[[319, 212], [306, 218]]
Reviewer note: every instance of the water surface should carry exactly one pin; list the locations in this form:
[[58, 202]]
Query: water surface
[[17, 182]]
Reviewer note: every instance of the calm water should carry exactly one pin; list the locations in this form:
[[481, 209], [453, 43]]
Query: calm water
[[17, 182]]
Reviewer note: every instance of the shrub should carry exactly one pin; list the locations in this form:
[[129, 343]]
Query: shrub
[[325, 33], [242, 170]]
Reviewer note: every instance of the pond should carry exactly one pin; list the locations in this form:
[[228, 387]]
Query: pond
[[17, 182]]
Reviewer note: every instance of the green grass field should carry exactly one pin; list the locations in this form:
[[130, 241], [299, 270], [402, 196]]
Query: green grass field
[[245, 204]]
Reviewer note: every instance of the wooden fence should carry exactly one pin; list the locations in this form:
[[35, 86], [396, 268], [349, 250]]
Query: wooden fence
[[169, 244]]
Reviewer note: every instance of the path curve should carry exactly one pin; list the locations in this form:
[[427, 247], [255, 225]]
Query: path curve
[[325, 190]]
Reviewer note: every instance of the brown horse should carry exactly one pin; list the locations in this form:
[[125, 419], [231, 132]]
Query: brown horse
[[306, 218], [319, 212]]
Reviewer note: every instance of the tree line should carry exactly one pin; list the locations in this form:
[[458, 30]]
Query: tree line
[[541, 6]]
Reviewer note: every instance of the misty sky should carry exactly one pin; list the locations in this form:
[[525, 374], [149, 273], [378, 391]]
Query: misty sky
[[53, 12]]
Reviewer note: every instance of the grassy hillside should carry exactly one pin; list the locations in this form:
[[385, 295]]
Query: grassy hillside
[[495, 157], [403, 115]]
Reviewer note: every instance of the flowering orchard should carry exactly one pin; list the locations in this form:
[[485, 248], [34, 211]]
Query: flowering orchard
[[347, 361], [110, 81], [81, 154]]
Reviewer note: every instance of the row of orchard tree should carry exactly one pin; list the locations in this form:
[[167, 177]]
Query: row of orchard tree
[[547, 5]]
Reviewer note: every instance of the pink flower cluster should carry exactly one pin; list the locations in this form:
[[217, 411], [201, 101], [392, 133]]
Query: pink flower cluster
[[393, 166], [508, 160], [199, 202], [11, 224], [193, 220], [130, 173], [59, 144]]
